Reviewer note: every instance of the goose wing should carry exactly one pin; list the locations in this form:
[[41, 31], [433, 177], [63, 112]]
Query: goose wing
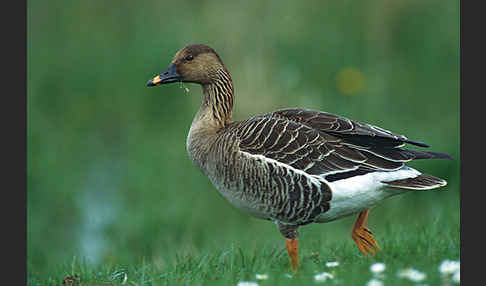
[[327, 145]]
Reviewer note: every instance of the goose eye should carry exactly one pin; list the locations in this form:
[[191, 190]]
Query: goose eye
[[189, 58]]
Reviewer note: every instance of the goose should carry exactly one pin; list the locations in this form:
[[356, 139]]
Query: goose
[[293, 166]]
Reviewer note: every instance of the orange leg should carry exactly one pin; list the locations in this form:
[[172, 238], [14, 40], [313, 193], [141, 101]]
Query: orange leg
[[291, 232], [293, 250], [362, 235]]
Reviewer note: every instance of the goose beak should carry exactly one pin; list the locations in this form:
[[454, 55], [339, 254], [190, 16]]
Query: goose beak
[[168, 76]]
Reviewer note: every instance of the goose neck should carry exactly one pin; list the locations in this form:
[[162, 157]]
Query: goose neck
[[218, 101]]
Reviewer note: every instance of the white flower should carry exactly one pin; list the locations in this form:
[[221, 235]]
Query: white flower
[[449, 267], [412, 274], [261, 276], [321, 277], [374, 282], [456, 277], [247, 283], [288, 275], [377, 267], [332, 264]]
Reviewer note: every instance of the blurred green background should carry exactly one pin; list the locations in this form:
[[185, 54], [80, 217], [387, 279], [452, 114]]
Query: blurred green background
[[109, 179]]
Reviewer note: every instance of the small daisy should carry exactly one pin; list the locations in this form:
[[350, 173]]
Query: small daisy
[[261, 276], [412, 274], [374, 282], [247, 283], [321, 277], [449, 267], [332, 264], [377, 268]]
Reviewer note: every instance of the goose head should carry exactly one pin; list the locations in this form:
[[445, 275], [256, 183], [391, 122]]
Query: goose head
[[196, 63]]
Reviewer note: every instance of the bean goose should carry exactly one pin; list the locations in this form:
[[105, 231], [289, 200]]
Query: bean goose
[[293, 166]]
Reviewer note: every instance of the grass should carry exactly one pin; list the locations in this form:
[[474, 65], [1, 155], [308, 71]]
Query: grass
[[420, 246], [228, 266]]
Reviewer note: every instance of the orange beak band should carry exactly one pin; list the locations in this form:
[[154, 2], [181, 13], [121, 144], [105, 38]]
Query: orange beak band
[[155, 81]]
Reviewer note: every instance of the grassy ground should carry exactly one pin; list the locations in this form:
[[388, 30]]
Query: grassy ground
[[423, 249], [421, 244], [110, 187]]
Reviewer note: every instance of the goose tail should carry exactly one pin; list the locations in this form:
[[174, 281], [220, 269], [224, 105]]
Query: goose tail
[[420, 183]]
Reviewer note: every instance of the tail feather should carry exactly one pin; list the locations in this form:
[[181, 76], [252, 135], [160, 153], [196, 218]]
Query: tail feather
[[419, 154], [421, 182]]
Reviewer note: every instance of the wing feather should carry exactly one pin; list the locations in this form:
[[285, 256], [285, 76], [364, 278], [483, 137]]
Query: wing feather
[[323, 144]]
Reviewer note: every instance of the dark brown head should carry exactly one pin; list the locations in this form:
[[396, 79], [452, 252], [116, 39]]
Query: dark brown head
[[194, 63]]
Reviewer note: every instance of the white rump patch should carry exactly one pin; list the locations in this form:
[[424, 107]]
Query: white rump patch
[[359, 193]]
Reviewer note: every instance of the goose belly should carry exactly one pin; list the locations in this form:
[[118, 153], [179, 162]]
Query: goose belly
[[359, 193], [247, 205], [241, 196]]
